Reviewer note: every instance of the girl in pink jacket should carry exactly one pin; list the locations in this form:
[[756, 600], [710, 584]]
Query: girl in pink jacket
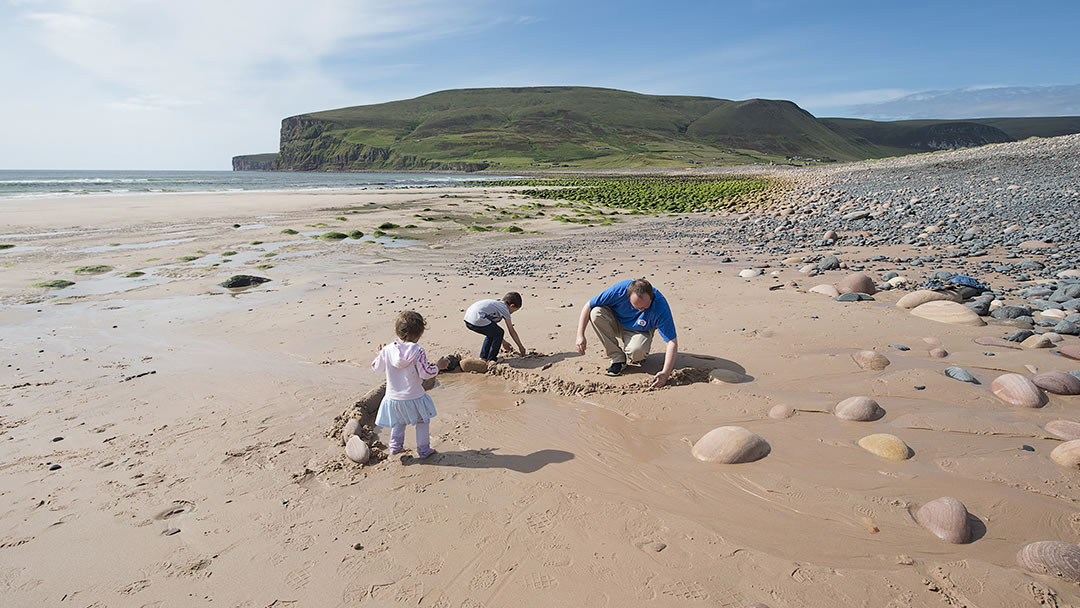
[[406, 366]]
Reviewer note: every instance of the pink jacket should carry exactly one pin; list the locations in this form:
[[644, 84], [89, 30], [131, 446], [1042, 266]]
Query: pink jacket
[[406, 365]]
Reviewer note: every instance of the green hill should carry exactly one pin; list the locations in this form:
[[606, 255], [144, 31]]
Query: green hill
[[594, 128]]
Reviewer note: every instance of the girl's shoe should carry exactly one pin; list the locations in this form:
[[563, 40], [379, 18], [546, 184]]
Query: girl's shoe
[[423, 455]]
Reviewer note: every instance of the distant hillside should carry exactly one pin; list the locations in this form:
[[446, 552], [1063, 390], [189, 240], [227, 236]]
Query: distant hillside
[[593, 128]]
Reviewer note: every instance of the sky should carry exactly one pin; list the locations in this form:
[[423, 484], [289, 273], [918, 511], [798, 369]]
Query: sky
[[149, 84]]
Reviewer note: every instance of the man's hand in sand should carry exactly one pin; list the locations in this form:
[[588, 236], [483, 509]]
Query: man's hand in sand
[[581, 344], [660, 379], [443, 363]]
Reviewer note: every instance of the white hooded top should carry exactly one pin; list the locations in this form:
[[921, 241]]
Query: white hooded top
[[406, 366]]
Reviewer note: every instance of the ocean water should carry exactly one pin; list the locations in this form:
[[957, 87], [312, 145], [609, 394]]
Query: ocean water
[[38, 184]]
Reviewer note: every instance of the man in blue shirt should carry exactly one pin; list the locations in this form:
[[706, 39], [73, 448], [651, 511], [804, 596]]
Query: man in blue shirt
[[630, 311]]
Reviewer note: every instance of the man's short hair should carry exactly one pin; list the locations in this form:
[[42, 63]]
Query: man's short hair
[[409, 326], [641, 288], [512, 299]]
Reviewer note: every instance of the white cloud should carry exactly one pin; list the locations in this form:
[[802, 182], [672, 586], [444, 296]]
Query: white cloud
[[215, 77], [849, 98]]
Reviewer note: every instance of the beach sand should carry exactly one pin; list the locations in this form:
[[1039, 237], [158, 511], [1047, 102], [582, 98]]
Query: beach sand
[[191, 422]]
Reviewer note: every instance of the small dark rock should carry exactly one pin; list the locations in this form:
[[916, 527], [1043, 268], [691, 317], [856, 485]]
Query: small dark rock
[[243, 280]]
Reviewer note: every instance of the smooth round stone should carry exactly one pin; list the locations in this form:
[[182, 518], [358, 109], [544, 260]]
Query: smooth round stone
[[1037, 341], [726, 376], [898, 281], [939, 353], [854, 296], [730, 445], [961, 374], [1058, 383], [944, 311], [1056, 338], [750, 273], [474, 365], [1069, 274], [868, 359], [858, 283], [1035, 245], [998, 342], [781, 411], [1067, 454], [922, 296], [808, 269], [1051, 558], [889, 447], [830, 236], [1070, 351], [947, 518], [1056, 315], [1065, 429], [350, 430], [861, 409], [1018, 390], [826, 290], [357, 450]]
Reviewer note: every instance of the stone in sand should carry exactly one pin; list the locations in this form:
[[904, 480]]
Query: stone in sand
[[999, 342], [961, 374], [947, 518], [243, 280], [944, 311], [1065, 429], [868, 359], [889, 447], [1070, 351], [861, 409], [750, 273], [898, 281], [1037, 341], [781, 411], [1067, 454], [730, 445], [1058, 383], [857, 283], [1018, 390], [357, 450], [1052, 558], [939, 353], [830, 236], [350, 430], [1057, 315], [918, 298], [474, 365], [726, 376], [827, 290]]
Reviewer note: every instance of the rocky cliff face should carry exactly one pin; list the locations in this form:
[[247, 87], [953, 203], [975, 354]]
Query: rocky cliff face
[[308, 144], [254, 162]]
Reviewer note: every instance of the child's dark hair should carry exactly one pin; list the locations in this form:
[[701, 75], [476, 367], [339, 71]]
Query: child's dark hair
[[512, 299], [409, 326]]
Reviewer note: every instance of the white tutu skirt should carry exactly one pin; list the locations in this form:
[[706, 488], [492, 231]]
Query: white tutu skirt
[[393, 412]]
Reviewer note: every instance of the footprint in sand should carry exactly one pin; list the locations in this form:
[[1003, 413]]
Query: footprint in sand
[[483, 580], [177, 507], [541, 582], [685, 590], [299, 578], [541, 523]]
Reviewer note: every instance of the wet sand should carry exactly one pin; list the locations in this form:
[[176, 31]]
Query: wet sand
[[190, 423]]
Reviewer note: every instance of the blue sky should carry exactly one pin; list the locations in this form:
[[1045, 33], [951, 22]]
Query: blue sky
[[147, 84]]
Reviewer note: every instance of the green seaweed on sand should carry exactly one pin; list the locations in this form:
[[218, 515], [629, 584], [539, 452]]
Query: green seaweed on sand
[[513, 229], [355, 234], [256, 243], [6, 245], [343, 219], [189, 258], [94, 269], [388, 226], [135, 273], [378, 233], [333, 236], [225, 254], [55, 284], [289, 231], [264, 266]]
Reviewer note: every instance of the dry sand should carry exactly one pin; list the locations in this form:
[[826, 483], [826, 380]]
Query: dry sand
[[190, 426]]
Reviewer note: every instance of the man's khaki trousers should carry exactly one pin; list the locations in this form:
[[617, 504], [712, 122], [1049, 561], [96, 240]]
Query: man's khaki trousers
[[636, 344]]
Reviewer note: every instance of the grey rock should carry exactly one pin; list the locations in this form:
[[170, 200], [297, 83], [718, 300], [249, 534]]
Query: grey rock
[[829, 262], [854, 296], [1020, 335], [1011, 312], [243, 280], [1067, 328], [961, 374]]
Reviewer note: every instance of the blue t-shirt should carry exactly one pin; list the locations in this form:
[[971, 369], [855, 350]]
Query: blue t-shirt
[[657, 316]]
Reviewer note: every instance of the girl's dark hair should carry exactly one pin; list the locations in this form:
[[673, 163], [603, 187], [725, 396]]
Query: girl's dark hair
[[409, 326]]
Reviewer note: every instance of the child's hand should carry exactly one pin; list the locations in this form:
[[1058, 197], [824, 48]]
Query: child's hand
[[443, 363], [521, 351], [507, 346]]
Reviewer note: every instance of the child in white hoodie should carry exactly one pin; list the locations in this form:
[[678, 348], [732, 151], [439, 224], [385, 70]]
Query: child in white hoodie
[[406, 366]]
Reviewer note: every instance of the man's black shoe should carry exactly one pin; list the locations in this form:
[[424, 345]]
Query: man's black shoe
[[616, 368]]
